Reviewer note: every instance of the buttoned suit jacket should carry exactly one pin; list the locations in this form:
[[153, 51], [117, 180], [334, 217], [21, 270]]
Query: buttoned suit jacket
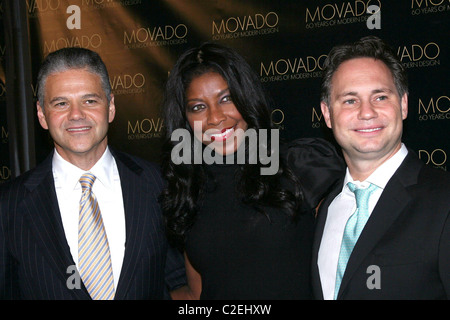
[[35, 255], [403, 251]]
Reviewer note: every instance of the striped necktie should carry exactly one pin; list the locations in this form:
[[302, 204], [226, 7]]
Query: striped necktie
[[353, 229], [94, 258]]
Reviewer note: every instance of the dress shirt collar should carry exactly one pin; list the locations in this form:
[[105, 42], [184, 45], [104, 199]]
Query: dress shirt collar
[[68, 175], [383, 173]]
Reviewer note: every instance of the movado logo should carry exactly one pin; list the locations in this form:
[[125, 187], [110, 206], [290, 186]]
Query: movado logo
[[419, 55], [292, 68], [416, 52], [245, 26], [155, 36], [250, 22], [434, 108], [127, 83], [155, 33], [41, 6], [277, 117], [427, 3], [5, 173], [4, 135], [316, 118], [145, 129], [428, 6], [85, 41], [436, 157], [339, 10], [2, 90]]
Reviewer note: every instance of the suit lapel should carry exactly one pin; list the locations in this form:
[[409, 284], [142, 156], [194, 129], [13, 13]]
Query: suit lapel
[[43, 215], [393, 200]]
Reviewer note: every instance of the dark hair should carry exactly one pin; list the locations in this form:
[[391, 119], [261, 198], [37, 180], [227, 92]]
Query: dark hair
[[182, 197], [371, 47], [72, 58]]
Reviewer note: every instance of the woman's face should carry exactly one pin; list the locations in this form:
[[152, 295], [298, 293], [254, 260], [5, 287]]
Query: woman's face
[[212, 115]]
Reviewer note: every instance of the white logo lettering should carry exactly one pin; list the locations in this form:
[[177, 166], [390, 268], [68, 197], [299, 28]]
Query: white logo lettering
[[374, 21], [74, 280], [74, 21], [374, 280]]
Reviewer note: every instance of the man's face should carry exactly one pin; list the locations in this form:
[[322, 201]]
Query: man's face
[[365, 112], [76, 113]]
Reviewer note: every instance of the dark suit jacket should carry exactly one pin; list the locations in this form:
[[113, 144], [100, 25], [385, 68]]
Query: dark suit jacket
[[407, 236], [34, 252]]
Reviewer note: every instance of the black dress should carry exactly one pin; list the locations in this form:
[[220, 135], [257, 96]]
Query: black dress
[[243, 254]]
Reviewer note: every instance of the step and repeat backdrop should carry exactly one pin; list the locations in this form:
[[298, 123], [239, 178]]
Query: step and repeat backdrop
[[286, 42]]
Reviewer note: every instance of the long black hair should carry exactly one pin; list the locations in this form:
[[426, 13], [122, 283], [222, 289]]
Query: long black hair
[[181, 199]]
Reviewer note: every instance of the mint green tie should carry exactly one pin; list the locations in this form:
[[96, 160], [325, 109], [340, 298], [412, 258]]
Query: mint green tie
[[355, 224]]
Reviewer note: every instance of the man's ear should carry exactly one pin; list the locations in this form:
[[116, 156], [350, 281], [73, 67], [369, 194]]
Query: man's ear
[[112, 109], [41, 116], [404, 106], [326, 114]]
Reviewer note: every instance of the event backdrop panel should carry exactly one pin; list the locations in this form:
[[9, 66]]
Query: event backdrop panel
[[286, 42], [5, 172]]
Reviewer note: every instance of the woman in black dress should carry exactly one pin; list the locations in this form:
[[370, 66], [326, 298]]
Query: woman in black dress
[[246, 233]]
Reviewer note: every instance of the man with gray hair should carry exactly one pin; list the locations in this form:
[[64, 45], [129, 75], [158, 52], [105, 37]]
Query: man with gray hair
[[85, 223]]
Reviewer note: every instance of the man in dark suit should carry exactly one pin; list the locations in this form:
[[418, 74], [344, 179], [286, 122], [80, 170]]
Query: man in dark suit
[[39, 211], [401, 205]]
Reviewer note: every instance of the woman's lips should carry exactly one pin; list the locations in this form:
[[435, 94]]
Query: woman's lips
[[224, 134]]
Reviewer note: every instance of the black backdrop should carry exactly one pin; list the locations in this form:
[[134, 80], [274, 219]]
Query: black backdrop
[[285, 41]]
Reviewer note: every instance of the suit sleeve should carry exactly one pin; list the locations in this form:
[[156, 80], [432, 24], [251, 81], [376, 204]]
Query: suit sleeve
[[175, 273], [444, 256], [174, 270], [317, 165], [9, 288]]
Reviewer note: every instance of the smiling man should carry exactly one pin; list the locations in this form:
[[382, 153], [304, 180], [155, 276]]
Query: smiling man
[[384, 231], [87, 207], [76, 111], [367, 114]]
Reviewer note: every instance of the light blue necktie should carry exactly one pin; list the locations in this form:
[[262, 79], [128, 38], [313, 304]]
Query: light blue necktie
[[353, 228]]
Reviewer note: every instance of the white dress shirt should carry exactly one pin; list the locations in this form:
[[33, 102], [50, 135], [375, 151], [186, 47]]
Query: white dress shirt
[[340, 209], [108, 191]]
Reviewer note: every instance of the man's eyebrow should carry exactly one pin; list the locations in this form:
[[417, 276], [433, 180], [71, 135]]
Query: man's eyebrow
[[355, 93], [85, 96], [348, 93], [381, 90], [91, 95], [56, 99]]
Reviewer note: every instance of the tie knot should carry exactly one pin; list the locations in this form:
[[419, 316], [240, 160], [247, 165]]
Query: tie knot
[[362, 195], [87, 180]]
